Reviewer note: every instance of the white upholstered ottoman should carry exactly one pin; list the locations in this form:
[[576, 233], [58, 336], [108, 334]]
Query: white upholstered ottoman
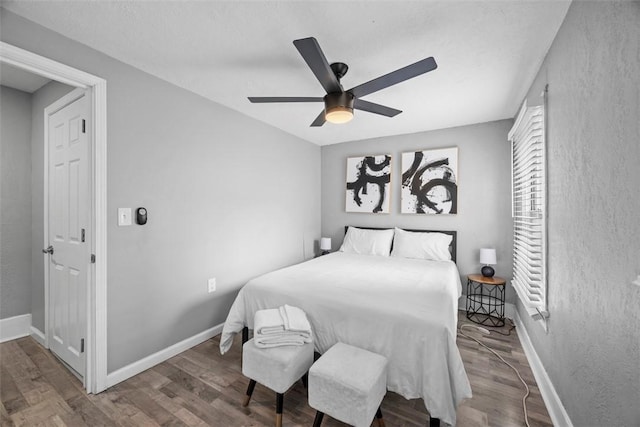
[[277, 368], [348, 383]]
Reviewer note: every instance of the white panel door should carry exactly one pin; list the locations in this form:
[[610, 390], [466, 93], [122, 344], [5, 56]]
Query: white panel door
[[69, 210]]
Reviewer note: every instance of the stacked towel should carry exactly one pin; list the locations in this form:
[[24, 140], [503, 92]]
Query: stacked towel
[[280, 326]]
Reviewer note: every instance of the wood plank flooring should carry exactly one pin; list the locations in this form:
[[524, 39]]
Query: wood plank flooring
[[199, 387]]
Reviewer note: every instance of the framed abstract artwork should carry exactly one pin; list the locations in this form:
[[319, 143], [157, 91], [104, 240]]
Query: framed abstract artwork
[[430, 181], [368, 184]]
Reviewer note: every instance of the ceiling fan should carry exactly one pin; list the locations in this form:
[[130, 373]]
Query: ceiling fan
[[339, 103]]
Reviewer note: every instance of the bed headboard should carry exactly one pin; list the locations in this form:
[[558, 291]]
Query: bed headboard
[[452, 247]]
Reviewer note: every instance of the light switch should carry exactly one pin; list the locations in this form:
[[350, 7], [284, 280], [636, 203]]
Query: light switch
[[124, 216]]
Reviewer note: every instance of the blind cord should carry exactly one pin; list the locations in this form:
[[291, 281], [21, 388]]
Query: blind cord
[[486, 331]]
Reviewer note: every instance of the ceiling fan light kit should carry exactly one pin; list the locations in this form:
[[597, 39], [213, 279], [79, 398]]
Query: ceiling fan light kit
[[338, 107], [338, 103]]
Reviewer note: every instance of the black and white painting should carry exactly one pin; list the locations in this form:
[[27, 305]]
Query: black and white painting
[[429, 181], [368, 184]]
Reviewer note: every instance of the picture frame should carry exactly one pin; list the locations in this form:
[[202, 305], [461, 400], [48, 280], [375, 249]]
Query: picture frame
[[368, 184], [430, 182]]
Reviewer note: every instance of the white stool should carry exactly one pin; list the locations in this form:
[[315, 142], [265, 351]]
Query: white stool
[[277, 368], [348, 383]]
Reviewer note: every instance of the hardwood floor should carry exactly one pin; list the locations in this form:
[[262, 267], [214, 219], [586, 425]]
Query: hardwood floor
[[199, 387]]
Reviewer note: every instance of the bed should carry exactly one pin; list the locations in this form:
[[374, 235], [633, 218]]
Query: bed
[[402, 308]]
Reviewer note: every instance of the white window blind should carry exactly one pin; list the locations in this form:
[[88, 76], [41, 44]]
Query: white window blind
[[528, 187]]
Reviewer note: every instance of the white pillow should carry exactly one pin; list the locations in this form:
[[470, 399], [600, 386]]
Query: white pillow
[[431, 246], [367, 242]]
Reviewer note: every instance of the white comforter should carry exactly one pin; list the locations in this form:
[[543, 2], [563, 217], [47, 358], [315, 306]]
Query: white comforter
[[401, 308]]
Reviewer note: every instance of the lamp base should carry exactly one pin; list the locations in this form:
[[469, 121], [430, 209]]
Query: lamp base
[[488, 271], [325, 252]]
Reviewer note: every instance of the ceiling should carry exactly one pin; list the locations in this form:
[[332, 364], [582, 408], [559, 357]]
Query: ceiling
[[488, 53], [20, 79]]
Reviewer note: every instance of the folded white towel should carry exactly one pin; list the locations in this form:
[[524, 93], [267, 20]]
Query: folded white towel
[[268, 321], [295, 319], [280, 326], [277, 340]]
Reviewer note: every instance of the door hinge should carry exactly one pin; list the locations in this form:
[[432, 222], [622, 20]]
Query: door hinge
[[84, 126], [82, 345], [82, 236], [93, 258]]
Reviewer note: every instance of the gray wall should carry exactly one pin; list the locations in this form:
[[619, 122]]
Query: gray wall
[[15, 202], [228, 197], [484, 186], [40, 99], [592, 349]]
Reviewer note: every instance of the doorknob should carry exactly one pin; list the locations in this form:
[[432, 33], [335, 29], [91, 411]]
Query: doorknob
[[49, 250]]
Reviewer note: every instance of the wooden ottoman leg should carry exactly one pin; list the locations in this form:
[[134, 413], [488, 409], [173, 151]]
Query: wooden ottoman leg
[[279, 402], [434, 422], [247, 398], [379, 418], [318, 420]]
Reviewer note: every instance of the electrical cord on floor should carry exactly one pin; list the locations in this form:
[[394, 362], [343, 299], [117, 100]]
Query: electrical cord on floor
[[511, 328], [487, 332]]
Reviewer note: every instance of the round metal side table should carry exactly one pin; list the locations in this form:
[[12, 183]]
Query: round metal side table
[[485, 300]]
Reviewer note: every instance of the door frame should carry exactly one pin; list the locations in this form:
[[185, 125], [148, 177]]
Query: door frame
[[95, 379]]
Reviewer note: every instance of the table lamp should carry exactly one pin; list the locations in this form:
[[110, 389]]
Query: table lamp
[[325, 245], [488, 258]]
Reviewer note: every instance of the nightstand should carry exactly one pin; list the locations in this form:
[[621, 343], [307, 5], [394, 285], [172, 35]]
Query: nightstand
[[485, 300]]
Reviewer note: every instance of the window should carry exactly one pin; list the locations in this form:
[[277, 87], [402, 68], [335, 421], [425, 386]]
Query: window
[[528, 188]]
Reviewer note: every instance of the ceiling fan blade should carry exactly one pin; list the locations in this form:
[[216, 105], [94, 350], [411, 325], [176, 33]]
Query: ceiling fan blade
[[312, 54], [262, 99], [395, 77], [371, 107], [319, 121]]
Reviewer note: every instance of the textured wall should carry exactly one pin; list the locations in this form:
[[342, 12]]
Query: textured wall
[[15, 202], [228, 197], [484, 188], [592, 349]]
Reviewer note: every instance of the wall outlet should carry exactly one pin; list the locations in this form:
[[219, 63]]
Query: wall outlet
[[212, 284]]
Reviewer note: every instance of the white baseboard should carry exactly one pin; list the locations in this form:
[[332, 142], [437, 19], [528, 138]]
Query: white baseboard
[[150, 361], [15, 327], [554, 405], [38, 335]]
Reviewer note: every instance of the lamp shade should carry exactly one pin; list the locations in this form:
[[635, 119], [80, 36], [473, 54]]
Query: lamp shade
[[325, 243], [487, 256], [339, 115]]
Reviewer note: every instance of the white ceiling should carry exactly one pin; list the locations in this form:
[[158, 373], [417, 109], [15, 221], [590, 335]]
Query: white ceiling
[[487, 53], [20, 79]]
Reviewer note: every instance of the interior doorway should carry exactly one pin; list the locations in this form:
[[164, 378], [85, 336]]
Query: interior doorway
[[95, 343]]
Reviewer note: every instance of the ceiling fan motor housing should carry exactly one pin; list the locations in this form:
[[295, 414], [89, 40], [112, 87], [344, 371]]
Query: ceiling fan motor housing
[[338, 107]]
